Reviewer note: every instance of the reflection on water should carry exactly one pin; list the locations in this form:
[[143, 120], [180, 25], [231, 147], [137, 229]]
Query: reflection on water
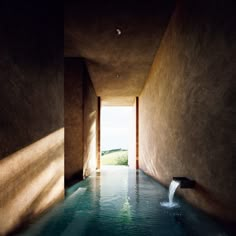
[[119, 201]]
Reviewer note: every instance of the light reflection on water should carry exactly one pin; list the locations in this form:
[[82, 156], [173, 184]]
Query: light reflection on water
[[119, 201]]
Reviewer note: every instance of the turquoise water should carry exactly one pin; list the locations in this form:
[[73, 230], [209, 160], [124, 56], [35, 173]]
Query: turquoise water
[[119, 201]]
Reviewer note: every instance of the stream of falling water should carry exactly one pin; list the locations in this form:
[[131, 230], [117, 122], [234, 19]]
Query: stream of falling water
[[172, 188]]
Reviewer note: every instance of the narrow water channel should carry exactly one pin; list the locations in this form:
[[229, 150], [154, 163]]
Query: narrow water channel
[[120, 201]]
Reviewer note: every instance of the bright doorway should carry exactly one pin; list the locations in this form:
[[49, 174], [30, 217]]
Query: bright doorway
[[118, 135]]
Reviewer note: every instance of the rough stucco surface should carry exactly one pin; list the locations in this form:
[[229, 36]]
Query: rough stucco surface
[[80, 121], [187, 106], [132, 150], [32, 180], [31, 75], [31, 108], [118, 64], [73, 74], [90, 127]]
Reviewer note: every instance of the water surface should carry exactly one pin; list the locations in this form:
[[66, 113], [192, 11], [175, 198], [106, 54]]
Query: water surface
[[118, 201]]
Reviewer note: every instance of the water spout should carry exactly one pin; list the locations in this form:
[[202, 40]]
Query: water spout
[[185, 182]]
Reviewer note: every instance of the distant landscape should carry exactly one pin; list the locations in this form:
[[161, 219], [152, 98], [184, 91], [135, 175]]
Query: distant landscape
[[114, 157]]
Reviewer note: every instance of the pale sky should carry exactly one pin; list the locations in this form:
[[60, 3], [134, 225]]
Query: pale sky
[[115, 127]]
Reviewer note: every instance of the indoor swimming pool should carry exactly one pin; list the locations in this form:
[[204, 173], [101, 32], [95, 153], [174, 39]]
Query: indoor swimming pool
[[120, 201]]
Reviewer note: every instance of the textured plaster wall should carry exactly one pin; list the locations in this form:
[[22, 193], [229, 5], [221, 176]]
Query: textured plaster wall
[[31, 180], [187, 107], [132, 139], [73, 75], [80, 121], [31, 74], [31, 108], [90, 126]]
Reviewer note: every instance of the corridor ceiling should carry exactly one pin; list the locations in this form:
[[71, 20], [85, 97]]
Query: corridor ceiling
[[118, 42]]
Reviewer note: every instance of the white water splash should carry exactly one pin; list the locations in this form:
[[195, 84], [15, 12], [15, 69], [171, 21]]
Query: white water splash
[[172, 188]]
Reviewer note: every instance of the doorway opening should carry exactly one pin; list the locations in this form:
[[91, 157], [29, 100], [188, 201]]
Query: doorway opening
[[117, 135]]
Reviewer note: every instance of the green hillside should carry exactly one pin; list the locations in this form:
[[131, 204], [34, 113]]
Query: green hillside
[[115, 157]]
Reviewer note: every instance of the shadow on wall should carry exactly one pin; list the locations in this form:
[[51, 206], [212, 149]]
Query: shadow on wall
[[31, 180], [201, 192]]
